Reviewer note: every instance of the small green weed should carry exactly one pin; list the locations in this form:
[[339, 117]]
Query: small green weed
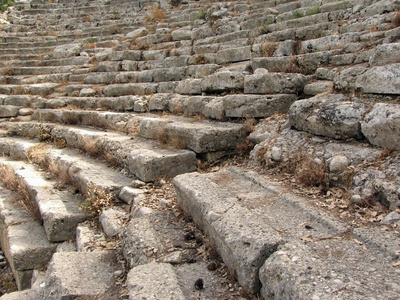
[[314, 11], [4, 4], [297, 14], [202, 15]]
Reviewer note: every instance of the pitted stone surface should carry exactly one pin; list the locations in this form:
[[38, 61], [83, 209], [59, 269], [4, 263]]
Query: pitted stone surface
[[154, 281], [331, 116]]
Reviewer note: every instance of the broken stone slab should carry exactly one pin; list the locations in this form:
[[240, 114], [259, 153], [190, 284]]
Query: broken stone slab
[[318, 269], [131, 195], [243, 246], [154, 281], [140, 242], [380, 80], [256, 106], [88, 237], [8, 111], [148, 164], [112, 221], [59, 210], [331, 116], [23, 239], [202, 137], [30, 294], [381, 126], [74, 274], [264, 82]]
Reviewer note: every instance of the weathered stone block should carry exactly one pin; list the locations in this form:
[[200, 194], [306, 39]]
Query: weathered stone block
[[148, 165], [261, 106], [7, 111], [381, 126], [72, 274], [331, 116], [189, 87], [380, 80], [233, 55], [264, 82], [154, 281], [222, 81]]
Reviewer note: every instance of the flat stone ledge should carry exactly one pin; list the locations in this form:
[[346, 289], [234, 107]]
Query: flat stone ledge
[[154, 281], [241, 239]]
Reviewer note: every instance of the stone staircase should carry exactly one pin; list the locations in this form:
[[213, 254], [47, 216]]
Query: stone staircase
[[104, 102]]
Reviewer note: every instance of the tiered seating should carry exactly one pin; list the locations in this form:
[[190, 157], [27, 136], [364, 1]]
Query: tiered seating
[[117, 96]]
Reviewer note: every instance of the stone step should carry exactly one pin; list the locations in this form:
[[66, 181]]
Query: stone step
[[40, 89], [23, 239], [58, 210], [200, 137], [82, 171], [154, 281], [72, 61], [80, 274], [145, 159], [244, 235]]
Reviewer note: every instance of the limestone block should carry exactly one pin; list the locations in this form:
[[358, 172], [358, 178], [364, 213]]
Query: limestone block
[[257, 106], [74, 274], [221, 81], [285, 64], [203, 137], [318, 87], [346, 78], [103, 55], [181, 34], [100, 78], [151, 128], [189, 87], [87, 92], [264, 82], [233, 55], [142, 31], [18, 100], [135, 55], [131, 195], [380, 80], [169, 74], [159, 101], [154, 281], [68, 50], [126, 77], [331, 116], [381, 126], [140, 242], [242, 245], [112, 221], [148, 165], [109, 66], [7, 111], [113, 90]]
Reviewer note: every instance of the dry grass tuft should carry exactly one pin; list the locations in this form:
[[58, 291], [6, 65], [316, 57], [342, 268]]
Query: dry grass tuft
[[249, 125], [396, 20], [310, 173], [155, 14], [268, 48], [161, 136], [37, 154], [245, 147], [97, 199], [15, 183], [200, 59]]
